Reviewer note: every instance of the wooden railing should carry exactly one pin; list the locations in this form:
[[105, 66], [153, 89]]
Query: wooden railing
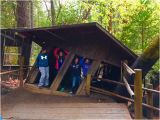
[[128, 74], [20, 71], [135, 90]]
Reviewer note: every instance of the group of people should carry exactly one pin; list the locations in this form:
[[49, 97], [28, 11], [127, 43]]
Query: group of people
[[78, 68]]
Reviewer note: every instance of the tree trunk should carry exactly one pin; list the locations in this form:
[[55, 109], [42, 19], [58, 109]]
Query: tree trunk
[[53, 12], [31, 15], [142, 35], [148, 57], [23, 14], [144, 62], [110, 23]]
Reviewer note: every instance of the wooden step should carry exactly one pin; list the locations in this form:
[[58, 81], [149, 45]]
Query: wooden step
[[68, 111]]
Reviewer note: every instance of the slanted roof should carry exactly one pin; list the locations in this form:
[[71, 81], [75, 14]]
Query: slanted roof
[[75, 35]]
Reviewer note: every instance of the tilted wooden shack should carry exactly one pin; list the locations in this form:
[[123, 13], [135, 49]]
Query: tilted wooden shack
[[88, 40]]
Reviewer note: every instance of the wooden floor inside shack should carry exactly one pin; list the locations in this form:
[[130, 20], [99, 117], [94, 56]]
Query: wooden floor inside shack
[[22, 104]]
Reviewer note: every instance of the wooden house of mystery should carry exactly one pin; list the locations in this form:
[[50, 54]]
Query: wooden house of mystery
[[87, 40]]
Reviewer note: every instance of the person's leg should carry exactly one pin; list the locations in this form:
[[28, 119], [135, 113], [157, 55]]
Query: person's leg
[[77, 83], [41, 81], [73, 83], [46, 82]]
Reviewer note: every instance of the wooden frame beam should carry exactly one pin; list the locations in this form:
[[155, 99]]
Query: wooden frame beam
[[62, 71], [92, 70], [53, 34]]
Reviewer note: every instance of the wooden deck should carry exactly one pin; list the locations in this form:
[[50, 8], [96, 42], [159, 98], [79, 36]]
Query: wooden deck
[[22, 104]]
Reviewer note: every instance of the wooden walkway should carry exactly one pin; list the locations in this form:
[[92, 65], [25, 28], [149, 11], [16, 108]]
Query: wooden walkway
[[21, 104]]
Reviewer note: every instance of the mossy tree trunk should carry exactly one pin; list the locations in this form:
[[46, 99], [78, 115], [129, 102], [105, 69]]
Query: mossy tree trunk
[[148, 57], [144, 62]]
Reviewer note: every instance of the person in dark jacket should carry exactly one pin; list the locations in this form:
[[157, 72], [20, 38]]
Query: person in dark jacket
[[75, 70], [42, 64]]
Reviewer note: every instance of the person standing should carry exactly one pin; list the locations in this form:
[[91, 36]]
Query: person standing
[[75, 71], [42, 64], [85, 66], [60, 57]]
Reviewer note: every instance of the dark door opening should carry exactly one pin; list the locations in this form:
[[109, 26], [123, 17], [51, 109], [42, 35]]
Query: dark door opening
[[106, 71]]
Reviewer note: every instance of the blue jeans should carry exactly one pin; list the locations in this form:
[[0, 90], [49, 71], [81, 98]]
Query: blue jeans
[[75, 82], [44, 79]]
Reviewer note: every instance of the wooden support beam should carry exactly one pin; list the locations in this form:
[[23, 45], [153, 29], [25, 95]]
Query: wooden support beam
[[21, 73], [88, 84], [92, 70], [62, 71], [128, 88], [128, 69], [150, 101], [55, 35], [138, 94], [34, 88], [8, 37], [33, 74], [81, 89]]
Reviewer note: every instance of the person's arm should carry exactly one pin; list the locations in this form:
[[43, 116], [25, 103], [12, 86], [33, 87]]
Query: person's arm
[[37, 61], [55, 52], [81, 72]]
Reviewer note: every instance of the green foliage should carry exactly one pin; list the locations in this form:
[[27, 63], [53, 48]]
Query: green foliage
[[153, 75], [143, 26], [133, 22], [8, 14], [34, 53], [11, 55]]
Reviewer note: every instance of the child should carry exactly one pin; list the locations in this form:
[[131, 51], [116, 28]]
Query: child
[[75, 70], [60, 57], [85, 66], [42, 64]]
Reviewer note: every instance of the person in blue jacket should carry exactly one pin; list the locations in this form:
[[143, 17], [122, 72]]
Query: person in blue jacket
[[85, 66], [75, 71], [43, 65]]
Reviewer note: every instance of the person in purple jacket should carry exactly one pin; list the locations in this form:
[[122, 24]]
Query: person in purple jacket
[[85, 66]]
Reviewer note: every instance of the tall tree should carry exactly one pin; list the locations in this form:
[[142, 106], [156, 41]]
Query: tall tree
[[23, 14], [53, 13], [31, 14]]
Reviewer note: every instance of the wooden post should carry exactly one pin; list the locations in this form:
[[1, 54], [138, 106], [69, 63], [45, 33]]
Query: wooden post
[[149, 101], [88, 84], [92, 70], [138, 94], [21, 70], [121, 70]]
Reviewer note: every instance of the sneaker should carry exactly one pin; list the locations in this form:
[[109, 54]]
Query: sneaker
[[46, 86], [62, 90], [40, 87]]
